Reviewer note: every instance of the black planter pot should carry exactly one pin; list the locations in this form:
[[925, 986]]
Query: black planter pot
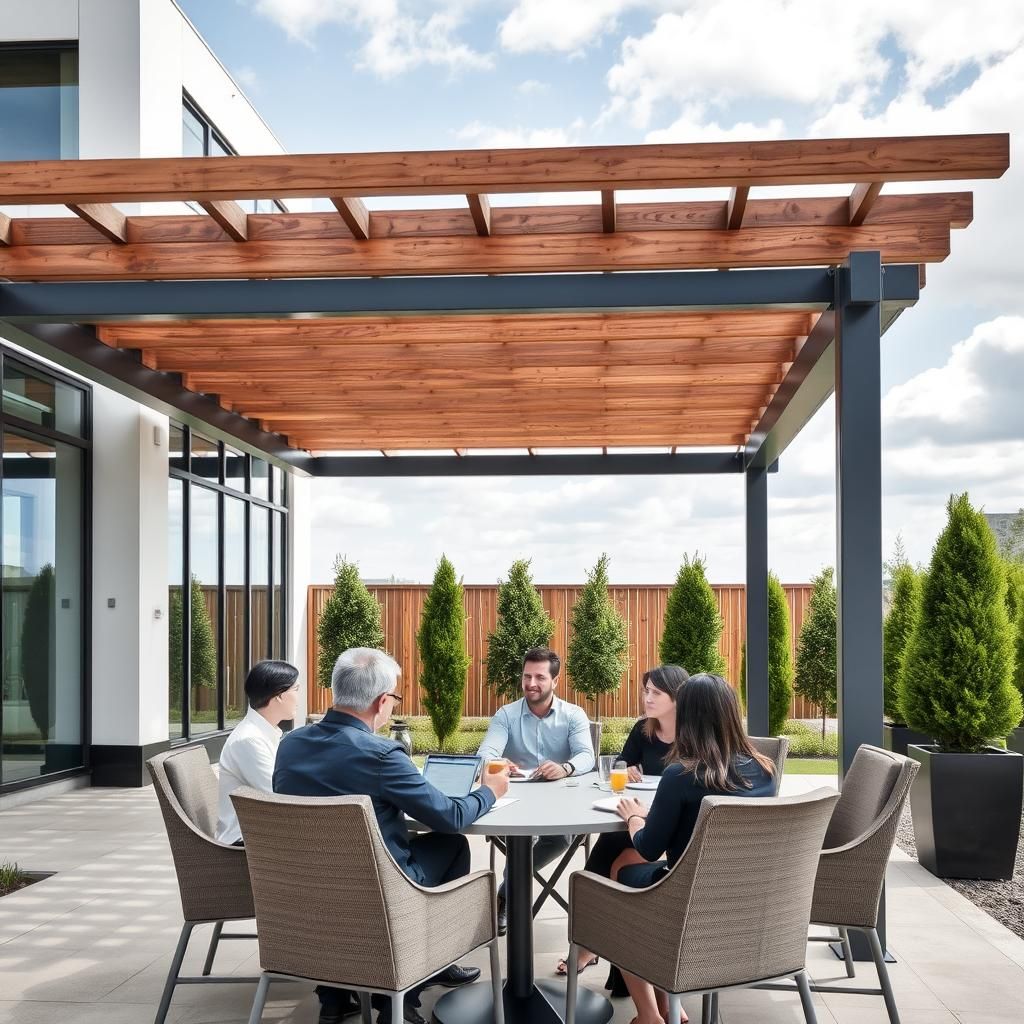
[[897, 737], [967, 811], [1015, 741]]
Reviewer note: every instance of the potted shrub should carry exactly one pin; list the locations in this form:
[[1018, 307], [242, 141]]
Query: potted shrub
[[1015, 609], [957, 687], [899, 624]]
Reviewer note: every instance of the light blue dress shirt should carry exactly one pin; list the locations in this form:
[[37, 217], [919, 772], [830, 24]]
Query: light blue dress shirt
[[562, 735]]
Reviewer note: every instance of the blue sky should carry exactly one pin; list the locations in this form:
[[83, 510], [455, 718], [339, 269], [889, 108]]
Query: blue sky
[[391, 75]]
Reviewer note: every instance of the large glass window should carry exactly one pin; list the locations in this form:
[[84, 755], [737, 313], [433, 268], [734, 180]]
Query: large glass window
[[42, 527], [38, 102], [236, 601]]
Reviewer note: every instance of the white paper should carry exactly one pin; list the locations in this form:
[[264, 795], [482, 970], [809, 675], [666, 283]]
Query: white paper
[[502, 802]]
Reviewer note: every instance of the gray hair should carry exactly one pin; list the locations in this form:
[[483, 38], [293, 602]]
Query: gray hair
[[361, 675]]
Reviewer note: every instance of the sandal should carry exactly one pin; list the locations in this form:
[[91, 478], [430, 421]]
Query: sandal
[[563, 967]]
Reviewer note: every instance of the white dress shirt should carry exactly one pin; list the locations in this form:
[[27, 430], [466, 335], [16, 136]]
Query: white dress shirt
[[246, 760], [562, 735]]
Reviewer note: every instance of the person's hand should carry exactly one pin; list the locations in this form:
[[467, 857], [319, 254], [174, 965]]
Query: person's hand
[[496, 782], [628, 808], [550, 771], [634, 774]]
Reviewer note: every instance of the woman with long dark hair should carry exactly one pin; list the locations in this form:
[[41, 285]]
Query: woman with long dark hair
[[711, 755], [648, 744]]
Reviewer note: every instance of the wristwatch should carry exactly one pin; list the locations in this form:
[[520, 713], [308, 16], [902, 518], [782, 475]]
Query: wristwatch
[[569, 768]]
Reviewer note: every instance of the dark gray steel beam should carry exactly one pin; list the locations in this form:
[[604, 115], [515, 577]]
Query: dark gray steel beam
[[78, 349], [624, 464], [75, 302], [757, 601]]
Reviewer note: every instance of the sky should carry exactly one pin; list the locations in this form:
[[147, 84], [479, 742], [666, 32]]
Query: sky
[[361, 75]]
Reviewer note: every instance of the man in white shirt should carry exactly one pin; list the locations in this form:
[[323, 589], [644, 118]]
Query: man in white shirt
[[272, 689]]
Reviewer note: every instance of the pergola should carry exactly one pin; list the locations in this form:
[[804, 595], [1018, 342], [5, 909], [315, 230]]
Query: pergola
[[707, 330]]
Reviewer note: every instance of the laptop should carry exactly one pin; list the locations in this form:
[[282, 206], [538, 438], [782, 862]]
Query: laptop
[[453, 774]]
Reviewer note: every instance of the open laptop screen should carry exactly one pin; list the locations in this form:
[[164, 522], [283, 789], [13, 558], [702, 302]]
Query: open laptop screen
[[453, 774]]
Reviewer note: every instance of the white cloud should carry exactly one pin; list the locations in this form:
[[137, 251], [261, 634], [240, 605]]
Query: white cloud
[[565, 26], [397, 37], [247, 78], [690, 127], [488, 136], [531, 87]]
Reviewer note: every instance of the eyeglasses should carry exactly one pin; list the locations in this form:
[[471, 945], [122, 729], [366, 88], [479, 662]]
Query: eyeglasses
[[395, 696]]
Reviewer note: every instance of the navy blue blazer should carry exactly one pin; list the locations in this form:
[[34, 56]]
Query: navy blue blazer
[[339, 756]]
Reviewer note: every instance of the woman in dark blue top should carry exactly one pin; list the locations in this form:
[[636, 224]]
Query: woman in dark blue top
[[711, 755]]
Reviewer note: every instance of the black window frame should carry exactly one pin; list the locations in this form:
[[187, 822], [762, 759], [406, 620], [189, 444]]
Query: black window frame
[[223, 490], [26, 428]]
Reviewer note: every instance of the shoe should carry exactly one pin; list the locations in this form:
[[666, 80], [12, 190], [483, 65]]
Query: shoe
[[563, 966], [410, 1014], [502, 916], [456, 976], [334, 1011]]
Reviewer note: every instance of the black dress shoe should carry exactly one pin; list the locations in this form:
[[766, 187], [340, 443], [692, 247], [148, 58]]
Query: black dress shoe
[[502, 916], [456, 976]]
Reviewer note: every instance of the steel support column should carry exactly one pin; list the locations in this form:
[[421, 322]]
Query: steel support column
[[859, 513], [757, 601]]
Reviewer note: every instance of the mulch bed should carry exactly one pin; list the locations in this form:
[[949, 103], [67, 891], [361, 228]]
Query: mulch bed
[[7, 890], [1002, 900]]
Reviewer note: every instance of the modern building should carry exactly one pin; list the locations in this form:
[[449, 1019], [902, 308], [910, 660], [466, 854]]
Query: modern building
[[121, 523]]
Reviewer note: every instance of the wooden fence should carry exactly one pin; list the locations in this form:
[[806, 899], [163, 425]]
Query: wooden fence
[[643, 608]]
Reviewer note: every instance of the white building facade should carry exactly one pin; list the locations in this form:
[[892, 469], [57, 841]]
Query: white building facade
[[149, 557]]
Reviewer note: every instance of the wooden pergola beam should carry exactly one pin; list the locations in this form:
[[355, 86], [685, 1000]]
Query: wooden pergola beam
[[108, 220], [480, 211], [608, 214], [5, 229], [501, 254], [370, 440], [354, 214], [229, 216], [862, 201], [453, 172], [736, 207]]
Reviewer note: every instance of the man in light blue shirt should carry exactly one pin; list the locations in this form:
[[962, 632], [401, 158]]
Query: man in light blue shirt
[[544, 735]]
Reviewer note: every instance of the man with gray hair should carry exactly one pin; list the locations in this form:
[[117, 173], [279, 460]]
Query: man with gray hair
[[342, 756]]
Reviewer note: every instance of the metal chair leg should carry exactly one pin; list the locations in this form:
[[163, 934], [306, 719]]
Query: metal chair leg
[[586, 848], [397, 1006], [260, 999], [364, 1005], [172, 974], [571, 983], [705, 1008], [805, 998], [844, 939], [212, 952], [493, 850], [878, 955], [675, 1009], [496, 993]]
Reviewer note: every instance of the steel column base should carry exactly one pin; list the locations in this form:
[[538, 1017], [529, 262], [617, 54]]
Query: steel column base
[[474, 1004]]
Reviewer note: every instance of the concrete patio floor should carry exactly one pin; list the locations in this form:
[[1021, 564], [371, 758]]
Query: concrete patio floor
[[93, 943]]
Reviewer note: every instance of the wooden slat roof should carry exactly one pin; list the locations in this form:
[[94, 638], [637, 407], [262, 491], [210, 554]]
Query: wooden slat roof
[[522, 380]]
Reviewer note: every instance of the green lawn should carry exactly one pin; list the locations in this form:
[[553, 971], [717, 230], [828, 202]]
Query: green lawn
[[811, 766]]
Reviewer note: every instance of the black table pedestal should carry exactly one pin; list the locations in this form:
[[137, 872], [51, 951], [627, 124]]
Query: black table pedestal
[[526, 1001]]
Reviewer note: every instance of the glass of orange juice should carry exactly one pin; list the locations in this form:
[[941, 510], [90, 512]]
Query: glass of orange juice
[[618, 777], [496, 765]]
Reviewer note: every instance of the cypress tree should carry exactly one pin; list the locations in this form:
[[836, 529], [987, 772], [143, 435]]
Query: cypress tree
[[442, 644], [692, 622], [1015, 612], [816, 648], [780, 658], [522, 624], [899, 624], [599, 648], [350, 618], [37, 643], [203, 643], [957, 672]]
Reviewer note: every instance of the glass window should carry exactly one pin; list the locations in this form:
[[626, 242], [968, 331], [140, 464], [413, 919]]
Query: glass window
[[277, 490], [205, 457], [277, 637], [235, 661], [261, 479], [177, 453], [38, 103], [193, 134], [43, 597], [204, 656], [175, 606], [259, 576], [234, 468], [40, 399]]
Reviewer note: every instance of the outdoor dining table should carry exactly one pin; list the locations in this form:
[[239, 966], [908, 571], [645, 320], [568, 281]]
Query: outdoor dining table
[[539, 809]]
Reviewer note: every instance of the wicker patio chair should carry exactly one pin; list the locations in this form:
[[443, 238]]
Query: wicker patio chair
[[333, 907], [776, 748], [732, 912], [213, 879]]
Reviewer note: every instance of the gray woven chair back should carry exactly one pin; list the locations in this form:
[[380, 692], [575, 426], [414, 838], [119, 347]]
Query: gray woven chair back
[[195, 787], [212, 878], [873, 777], [744, 891], [595, 737], [328, 893], [776, 748]]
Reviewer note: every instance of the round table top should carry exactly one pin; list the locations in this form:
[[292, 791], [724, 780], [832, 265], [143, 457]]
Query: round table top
[[554, 809]]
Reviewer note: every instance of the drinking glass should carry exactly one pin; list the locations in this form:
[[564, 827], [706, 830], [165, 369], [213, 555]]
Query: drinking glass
[[618, 777], [495, 765], [605, 763]]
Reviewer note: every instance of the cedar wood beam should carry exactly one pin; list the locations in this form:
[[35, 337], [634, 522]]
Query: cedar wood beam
[[480, 211], [862, 201], [230, 216], [608, 216], [5, 229], [594, 168], [108, 220], [355, 215], [737, 207]]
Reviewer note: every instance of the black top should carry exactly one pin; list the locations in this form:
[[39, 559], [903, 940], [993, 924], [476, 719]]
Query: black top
[[648, 754], [673, 813]]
